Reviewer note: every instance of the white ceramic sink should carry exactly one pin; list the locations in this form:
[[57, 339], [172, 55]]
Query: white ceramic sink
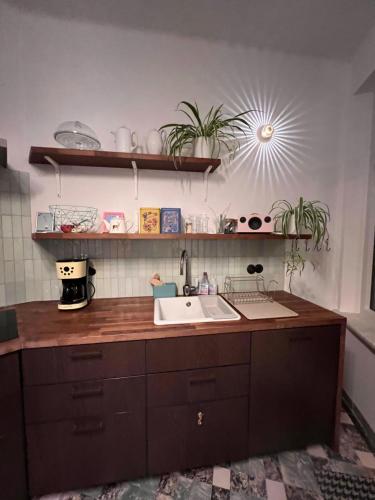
[[196, 309]]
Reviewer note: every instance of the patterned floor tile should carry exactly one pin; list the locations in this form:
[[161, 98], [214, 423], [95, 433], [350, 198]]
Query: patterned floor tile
[[221, 477], [275, 490], [203, 474], [200, 491], [295, 493], [272, 468], [317, 451], [366, 458], [220, 493], [297, 470]]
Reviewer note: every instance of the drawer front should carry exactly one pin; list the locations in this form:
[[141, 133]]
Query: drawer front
[[194, 435], [9, 371], [45, 403], [176, 388], [85, 452], [197, 352], [84, 362]]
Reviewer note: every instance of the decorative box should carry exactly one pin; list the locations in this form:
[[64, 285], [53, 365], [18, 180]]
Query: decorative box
[[149, 221], [166, 290], [170, 220]]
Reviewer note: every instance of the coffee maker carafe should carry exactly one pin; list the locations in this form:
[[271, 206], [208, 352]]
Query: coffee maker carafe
[[74, 274]]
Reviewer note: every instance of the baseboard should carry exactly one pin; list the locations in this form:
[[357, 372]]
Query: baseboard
[[359, 420]]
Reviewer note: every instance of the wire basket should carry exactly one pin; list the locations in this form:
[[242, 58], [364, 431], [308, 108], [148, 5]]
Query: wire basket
[[83, 218], [245, 290]]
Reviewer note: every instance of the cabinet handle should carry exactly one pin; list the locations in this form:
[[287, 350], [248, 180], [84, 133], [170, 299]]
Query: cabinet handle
[[88, 427], [87, 393], [204, 380], [78, 356], [200, 416], [300, 339]]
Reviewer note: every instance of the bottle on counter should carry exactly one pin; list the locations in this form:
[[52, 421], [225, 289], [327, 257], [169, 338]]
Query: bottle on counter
[[212, 287], [204, 285]]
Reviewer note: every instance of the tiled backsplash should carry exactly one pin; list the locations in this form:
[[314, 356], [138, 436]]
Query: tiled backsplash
[[125, 267], [27, 268], [15, 234]]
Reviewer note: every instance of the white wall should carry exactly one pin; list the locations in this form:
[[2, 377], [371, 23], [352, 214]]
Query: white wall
[[61, 69], [358, 377]]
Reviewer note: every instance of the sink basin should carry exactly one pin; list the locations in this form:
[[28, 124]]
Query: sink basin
[[197, 309]]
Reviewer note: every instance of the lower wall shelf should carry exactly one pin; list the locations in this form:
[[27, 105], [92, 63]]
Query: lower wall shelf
[[179, 236]]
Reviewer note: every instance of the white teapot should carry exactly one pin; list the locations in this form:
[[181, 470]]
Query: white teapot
[[126, 141]]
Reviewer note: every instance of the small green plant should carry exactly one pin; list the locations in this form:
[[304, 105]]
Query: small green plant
[[216, 125], [310, 217]]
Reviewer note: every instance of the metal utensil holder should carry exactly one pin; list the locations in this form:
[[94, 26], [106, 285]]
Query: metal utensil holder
[[245, 290]]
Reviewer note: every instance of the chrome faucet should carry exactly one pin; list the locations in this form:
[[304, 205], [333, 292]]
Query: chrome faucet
[[187, 288]]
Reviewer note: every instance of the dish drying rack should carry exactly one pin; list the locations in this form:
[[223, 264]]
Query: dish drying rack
[[247, 290]]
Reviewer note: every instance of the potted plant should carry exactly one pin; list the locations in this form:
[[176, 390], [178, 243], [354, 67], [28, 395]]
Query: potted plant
[[307, 217], [208, 134]]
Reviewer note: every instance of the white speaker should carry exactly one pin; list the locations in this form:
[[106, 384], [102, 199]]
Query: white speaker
[[255, 223]]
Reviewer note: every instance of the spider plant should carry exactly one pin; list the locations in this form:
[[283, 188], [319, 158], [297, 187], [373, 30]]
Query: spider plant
[[221, 130], [312, 216], [305, 217]]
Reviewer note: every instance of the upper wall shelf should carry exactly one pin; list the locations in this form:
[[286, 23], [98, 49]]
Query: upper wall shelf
[[113, 159], [170, 236], [58, 157]]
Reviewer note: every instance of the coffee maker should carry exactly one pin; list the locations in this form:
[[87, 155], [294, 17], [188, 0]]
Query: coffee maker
[[75, 275]]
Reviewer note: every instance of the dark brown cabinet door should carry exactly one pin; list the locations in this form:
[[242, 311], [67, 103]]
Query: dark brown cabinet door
[[12, 455], [293, 379], [186, 436], [86, 452]]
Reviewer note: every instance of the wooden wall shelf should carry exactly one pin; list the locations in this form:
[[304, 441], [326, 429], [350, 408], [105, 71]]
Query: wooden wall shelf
[[112, 159], [180, 236]]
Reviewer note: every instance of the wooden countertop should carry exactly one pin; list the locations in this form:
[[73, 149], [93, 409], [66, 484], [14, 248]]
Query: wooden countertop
[[41, 324]]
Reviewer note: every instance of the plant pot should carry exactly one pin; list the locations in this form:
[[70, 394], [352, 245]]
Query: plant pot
[[291, 227], [203, 147]]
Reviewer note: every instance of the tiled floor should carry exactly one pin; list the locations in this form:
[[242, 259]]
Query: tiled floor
[[311, 474]]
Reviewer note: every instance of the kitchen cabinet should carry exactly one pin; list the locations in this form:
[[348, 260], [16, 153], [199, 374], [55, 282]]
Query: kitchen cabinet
[[293, 386], [13, 484], [112, 411], [197, 395], [85, 415]]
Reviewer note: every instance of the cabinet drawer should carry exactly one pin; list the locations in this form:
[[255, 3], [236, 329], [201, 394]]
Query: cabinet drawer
[[45, 403], [186, 436], [197, 352], [84, 362], [86, 452], [9, 371], [176, 388]]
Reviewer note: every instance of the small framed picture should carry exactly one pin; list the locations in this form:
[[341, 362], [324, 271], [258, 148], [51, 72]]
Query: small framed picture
[[170, 220], [149, 222], [44, 222]]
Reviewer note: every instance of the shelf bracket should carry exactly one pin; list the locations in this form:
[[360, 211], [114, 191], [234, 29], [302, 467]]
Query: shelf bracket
[[56, 166], [135, 175], [205, 181]]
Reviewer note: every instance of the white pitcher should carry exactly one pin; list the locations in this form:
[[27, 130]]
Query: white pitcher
[[154, 142], [126, 140]]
